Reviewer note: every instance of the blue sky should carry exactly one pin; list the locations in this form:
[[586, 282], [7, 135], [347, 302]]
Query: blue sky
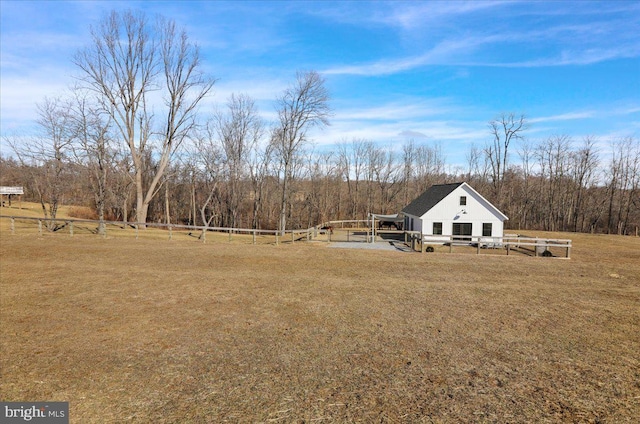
[[434, 72]]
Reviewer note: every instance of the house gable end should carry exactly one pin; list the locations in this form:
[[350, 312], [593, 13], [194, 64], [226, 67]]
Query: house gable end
[[485, 203], [427, 200]]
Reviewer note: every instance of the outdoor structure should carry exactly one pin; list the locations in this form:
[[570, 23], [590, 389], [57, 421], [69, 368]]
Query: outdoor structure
[[8, 192], [380, 221], [453, 210]]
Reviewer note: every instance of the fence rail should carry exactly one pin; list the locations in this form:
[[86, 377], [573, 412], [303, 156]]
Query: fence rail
[[417, 241], [537, 245], [58, 224]]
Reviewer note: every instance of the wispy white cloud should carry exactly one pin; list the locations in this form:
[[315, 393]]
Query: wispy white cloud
[[410, 134], [381, 131], [405, 16], [548, 43], [444, 53], [615, 111], [420, 15], [459, 53], [254, 48], [398, 110], [572, 58], [562, 117], [21, 92]]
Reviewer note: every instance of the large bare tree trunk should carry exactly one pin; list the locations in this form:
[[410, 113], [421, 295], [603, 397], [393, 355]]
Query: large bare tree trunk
[[129, 58]]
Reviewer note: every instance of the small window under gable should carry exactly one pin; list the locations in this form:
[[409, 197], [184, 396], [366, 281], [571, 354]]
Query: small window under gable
[[463, 200], [486, 229], [437, 228]]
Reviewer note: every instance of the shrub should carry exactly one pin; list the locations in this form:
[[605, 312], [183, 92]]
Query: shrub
[[82, 212]]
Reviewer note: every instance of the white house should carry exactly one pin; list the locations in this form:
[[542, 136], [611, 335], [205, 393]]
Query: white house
[[453, 209]]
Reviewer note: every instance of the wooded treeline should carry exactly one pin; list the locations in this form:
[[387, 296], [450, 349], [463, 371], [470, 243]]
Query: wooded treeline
[[558, 184], [131, 141]]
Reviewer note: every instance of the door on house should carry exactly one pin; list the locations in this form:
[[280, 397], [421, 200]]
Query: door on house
[[462, 229]]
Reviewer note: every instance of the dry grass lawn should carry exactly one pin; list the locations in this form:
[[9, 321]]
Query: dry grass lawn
[[179, 331]]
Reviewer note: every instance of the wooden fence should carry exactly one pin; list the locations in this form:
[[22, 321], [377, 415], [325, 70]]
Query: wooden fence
[[102, 228], [365, 230], [537, 246]]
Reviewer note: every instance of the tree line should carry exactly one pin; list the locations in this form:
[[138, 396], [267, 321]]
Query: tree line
[[130, 141]]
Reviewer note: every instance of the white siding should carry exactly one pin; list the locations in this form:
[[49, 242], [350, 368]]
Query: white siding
[[449, 211]]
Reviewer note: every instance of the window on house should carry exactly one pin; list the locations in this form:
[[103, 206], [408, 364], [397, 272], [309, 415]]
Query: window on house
[[463, 200], [462, 229], [487, 229], [437, 228]]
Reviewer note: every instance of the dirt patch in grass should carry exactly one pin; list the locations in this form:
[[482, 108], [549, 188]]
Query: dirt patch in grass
[[179, 331]]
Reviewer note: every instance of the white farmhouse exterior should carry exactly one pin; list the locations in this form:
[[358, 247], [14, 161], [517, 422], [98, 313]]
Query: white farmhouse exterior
[[453, 210]]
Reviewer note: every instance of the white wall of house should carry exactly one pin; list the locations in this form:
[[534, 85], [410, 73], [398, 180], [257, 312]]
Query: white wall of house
[[477, 211]]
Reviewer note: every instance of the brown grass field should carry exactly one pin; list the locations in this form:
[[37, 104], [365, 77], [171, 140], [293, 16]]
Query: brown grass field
[[152, 330]]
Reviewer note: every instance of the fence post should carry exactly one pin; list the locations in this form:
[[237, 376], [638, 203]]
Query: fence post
[[508, 248], [450, 244], [254, 236], [70, 228], [136, 230], [293, 237], [277, 241], [204, 235], [229, 234], [170, 233], [40, 227], [478, 251], [13, 225]]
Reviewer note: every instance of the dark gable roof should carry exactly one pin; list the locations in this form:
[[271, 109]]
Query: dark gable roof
[[430, 198]]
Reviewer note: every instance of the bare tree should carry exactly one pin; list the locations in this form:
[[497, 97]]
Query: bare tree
[[128, 60], [259, 167], [207, 156], [408, 167], [93, 148], [386, 173], [553, 157], [430, 165], [302, 106], [624, 184], [47, 155], [351, 165], [584, 165], [526, 194], [239, 131], [504, 130]]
